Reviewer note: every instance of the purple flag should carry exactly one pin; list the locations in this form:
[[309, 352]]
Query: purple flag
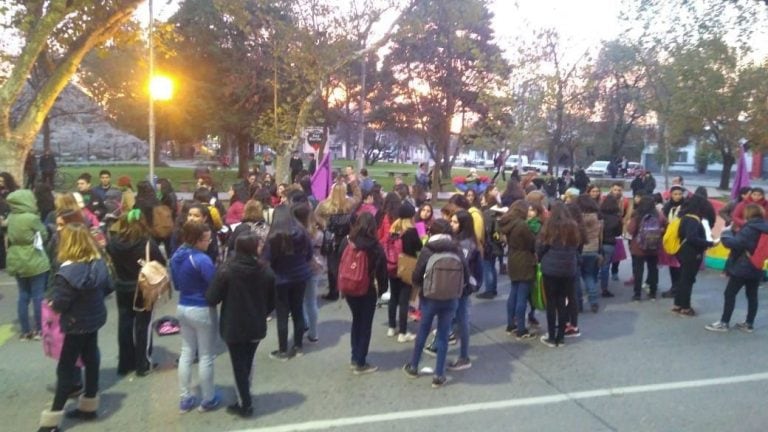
[[742, 174], [321, 180]]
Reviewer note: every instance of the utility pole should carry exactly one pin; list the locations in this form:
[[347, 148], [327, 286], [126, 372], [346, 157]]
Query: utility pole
[[361, 138]]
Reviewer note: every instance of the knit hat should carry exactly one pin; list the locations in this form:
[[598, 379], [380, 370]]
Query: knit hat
[[406, 211]]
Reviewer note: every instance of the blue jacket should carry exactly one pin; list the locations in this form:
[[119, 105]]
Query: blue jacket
[[294, 267], [78, 295], [192, 272], [738, 263]]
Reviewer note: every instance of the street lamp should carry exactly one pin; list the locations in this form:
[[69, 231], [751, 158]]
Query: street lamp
[[160, 88]]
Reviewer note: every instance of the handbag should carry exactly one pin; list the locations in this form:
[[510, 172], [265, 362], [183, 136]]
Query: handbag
[[538, 292], [406, 264], [154, 284], [53, 337]]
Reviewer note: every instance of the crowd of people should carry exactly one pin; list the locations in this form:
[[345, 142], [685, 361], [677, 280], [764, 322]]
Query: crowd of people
[[273, 247]]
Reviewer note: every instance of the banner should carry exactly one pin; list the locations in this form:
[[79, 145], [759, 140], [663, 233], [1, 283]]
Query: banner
[[321, 180]]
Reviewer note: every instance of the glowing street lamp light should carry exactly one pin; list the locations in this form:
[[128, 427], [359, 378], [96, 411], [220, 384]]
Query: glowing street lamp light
[[161, 88]]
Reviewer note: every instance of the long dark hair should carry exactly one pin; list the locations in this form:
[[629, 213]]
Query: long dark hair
[[466, 228], [10, 182], [587, 204], [391, 204], [646, 206], [280, 237], [610, 205], [560, 228], [695, 205], [363, 227]]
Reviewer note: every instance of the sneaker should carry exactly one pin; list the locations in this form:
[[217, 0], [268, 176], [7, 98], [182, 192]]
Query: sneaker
[[636, 298], [210, 405], [745, 327], [486, 295], [37, 336], [313, 340], [453, 339], [411, 371], [688, 313], [280, 355], [525, 336], [430, 350], [25, 337], [439, 381], [297, 351], [240, 411], [406, 337], [718, 326], [646, 287], [652, 296], [511, 329], [548, 342], [391, 332], [414, 315], [594, 307], [571, 331], [533, 322], [187, 404], [607, 294], [365, 369], [460, 364], [668, 294]]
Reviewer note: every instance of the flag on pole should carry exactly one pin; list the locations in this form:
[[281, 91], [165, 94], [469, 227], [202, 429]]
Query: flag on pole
[[321, 180], [742, 174]]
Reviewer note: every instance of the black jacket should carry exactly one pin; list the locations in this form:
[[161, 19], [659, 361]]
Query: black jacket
[[242, 286], [377, 262], [558, 260], [125, 256], [745, 241], [612, 228], [411, 242], [78, 295], [436, 244], [693, 235]]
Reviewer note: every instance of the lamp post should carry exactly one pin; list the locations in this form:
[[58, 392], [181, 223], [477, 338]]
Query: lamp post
[[160, 88]]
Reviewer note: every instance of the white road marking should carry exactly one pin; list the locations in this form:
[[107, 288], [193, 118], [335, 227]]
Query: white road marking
[[510, 403]]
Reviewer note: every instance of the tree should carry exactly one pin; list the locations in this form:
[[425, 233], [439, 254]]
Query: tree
[[442, 58], [63, 31]]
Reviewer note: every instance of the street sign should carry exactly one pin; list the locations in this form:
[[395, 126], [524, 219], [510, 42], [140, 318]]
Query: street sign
[[315, 137]]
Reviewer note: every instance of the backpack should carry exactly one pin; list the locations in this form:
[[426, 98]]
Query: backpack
[[672, 241], [162, 222], [328, 246], [444, 277], [392, 249], [494, 247], [260, 229], [354, 280], [650, 234], [153, 284], [759, 257]]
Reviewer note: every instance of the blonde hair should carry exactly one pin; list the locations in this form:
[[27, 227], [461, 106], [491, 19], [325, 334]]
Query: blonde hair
[[76, 244], [129, 200], [66, 201], [337, 202]]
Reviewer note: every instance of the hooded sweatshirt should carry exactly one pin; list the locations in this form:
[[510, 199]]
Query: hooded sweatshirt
[[78, 295], [293, 267], [23, 259], [192, 272], [745, 241]]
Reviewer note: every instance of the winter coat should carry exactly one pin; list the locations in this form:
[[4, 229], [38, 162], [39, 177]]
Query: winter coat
[[125, 256], [521, 262], [47, 163], [377, 262], [745, 241], [294, 267], [23, 259], [634, 228], [558, 260], [192, 272], [242, 286], [478, 224], [436, 244], [693, 235], [738, 212], [612, 228], [78, 295]]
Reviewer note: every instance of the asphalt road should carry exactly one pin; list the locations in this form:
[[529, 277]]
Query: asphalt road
[[637, 367]]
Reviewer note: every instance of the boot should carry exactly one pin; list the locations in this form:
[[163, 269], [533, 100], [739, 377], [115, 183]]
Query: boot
[[50, 420], [86, 408]]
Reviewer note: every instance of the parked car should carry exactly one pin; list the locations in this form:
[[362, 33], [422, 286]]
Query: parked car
[[633, 169], [514, 161], [540, 166], [598, 168]]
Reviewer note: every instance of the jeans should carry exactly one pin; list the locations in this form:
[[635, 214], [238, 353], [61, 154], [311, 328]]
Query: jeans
[[444, 310], [489, 274], [462, 321], [134, 337], [241, 355], [589, 270], [399, 297], [733, 288], [516, 304], [30, 288], [557, 289], [362, 309], [638, 262], [85, 346], [198, 335], [690, 262], [310, 305], [608, 250], [290, 298]]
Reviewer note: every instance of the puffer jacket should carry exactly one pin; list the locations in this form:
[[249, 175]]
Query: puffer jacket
[[745, 241], [521, 263], [23, 258], [558, 260], [78, 295]]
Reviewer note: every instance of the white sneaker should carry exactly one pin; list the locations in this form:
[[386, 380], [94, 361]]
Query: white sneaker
[[407, 337], [718, 326], [391, 332], [385, 296]]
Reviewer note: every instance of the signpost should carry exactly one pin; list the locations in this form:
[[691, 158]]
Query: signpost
[[315, 138]]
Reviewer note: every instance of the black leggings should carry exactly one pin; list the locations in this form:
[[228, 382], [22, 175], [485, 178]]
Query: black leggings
[[241, 354], [690, 262], [290, 298], [134, 337], [557, 290], [733, 288], [400, 296], [84, 346]]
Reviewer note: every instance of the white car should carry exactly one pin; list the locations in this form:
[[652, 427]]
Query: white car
[[598, 168], [540, 166]]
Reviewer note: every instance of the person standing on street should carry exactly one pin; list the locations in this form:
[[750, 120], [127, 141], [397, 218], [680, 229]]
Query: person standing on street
[[691, 254], [48, 167], [312, 166], [296, 165], [30, 169]]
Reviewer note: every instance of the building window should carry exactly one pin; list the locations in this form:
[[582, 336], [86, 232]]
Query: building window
[[681, 157]]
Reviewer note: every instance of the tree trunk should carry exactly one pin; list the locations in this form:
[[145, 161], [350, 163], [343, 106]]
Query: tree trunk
[[14, 154], [243, 147], [725, 175]]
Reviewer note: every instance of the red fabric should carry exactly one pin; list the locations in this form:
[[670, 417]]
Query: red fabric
[[738, 212], [235, 213]]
